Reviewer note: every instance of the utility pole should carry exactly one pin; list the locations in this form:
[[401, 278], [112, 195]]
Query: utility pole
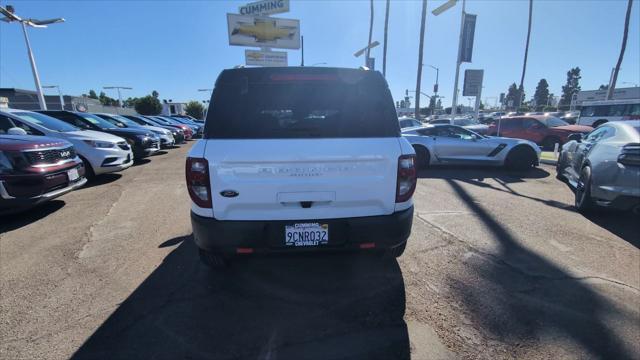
[[421, 46], [384, 49], [614, 78], [302, 43]]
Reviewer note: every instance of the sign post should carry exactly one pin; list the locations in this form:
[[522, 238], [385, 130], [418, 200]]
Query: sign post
[[473, 86]]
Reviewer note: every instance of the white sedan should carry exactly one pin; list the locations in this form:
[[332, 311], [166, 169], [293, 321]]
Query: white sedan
[[455, 145]]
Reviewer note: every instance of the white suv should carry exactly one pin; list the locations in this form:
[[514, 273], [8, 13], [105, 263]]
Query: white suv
[[300, 159]]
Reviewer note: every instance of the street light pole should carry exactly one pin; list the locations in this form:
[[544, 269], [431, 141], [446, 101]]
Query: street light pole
[[454, 101], [9, 17], [435, 88], [119, 95], [34, 69], [420, 47], [59, 94]]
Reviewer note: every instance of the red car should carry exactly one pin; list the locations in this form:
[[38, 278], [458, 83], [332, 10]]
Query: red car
[[35, 169], [543, 130]]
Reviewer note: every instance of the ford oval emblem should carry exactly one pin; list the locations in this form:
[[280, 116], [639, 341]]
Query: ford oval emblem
[[229, 193]]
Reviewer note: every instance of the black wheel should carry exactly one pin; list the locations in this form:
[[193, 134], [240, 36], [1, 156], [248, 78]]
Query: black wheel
[[550, 142], [599, 122], [520, 158], [88, 170], [422, 157], [212, 260], [397, 251], [583, 200]]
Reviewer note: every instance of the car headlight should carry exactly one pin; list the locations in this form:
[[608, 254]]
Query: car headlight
[[100, 144], [143, 137], [5, 164]]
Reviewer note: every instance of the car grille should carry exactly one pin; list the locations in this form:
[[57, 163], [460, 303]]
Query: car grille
[[154, 143], [123, 145], [49, 156]]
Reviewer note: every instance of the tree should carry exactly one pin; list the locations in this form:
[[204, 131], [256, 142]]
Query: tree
[[155, 94], [541, 95], [511, 99], [439, 104], [194, 109], [625, 34], [92, 95], [526, 53], [603, 87], [148, 105], [571, 87], [432, 103]]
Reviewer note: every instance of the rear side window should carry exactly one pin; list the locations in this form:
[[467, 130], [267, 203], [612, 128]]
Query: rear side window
[[304, 106]]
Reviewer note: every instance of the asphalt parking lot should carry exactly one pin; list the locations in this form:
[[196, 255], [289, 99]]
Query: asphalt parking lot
[[499, 265]]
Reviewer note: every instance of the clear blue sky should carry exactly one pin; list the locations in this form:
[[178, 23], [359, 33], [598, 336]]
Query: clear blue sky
[[178, 47]]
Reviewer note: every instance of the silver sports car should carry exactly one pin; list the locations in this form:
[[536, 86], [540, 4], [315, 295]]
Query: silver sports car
[[603, 168], [452, 144]]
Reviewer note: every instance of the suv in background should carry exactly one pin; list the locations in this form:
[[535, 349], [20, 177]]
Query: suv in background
[[300, 159], [542, 130], [35, 169]]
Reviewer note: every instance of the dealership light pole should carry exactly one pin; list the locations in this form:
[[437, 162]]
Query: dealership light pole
[[367, 49], [119, 95], [210, 91], [444, 7], [59, 94], [9, 16]]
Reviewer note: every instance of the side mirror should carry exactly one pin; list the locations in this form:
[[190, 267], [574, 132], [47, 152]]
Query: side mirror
[[575, 137], [16, 131]]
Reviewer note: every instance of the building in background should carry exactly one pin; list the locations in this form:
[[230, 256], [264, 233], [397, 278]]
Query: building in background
[[173, 108], [28, 100]]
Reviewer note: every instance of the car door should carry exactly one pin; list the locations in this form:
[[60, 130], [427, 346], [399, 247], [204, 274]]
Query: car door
[[576, 158], [510, 127], [533, 130], [454, 144]]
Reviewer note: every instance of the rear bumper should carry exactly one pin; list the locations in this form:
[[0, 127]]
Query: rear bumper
[[385, 232]]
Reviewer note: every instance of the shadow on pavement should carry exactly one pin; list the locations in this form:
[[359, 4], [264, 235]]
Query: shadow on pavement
[[343, 306], [623, 225], [101, 180], [139, 162], [522, 297], [15, 221]]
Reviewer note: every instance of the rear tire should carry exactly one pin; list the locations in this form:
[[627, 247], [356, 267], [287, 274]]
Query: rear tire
[[520, 158], [550, 142], [212, 260], [583, 201], [423, 158]]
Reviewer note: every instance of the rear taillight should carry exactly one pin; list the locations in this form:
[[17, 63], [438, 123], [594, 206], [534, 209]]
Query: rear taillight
[[406, 183], [197, 174], [630, 155]]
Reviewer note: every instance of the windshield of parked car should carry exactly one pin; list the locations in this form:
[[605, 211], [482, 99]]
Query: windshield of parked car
[[553, 122], [126, 121], [305, 105], [97, 121], [46, 121]]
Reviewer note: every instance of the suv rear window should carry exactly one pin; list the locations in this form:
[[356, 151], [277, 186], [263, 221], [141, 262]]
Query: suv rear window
[[258, 104]]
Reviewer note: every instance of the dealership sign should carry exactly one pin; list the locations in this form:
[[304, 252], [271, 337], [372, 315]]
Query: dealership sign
[[264, 32], [265, 58], [265, 7], [472, 82]]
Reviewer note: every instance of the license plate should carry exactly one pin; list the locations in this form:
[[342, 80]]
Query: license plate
[[306, 234], [73, 174]]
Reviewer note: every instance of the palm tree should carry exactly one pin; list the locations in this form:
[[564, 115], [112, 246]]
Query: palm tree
[[526, 53], [624, 46], [384, 50]]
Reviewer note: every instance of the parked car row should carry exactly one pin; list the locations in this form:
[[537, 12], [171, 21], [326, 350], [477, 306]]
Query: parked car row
[[45, 154]]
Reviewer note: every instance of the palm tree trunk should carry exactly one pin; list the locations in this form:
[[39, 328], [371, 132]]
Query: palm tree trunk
[[419, 80], [384, 51], [370, 31], [614, 79], [526, 54]]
